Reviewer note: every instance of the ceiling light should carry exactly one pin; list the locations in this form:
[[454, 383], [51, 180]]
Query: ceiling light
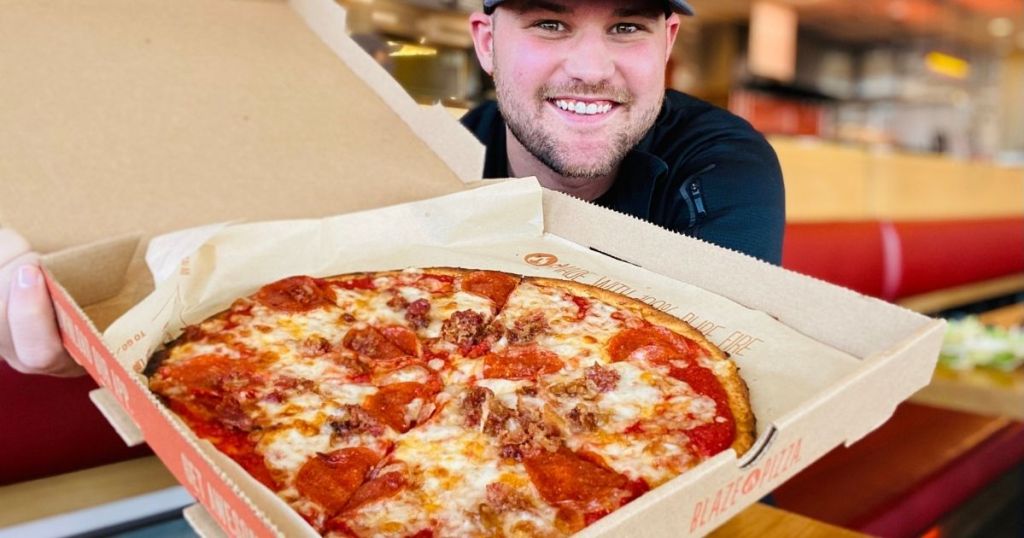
[[1001, 27], [406, 50], [947, 65]]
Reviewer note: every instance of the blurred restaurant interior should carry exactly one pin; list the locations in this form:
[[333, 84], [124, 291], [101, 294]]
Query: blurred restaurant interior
[[900, 128]]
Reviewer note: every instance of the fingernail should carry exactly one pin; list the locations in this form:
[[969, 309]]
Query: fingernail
[[29, 276]]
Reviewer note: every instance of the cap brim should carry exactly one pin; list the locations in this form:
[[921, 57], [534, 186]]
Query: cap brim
[[682, 7], [678, 6]]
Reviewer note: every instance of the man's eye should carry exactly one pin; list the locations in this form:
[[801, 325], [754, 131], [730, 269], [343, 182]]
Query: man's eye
[[626, 28], [550, 26]]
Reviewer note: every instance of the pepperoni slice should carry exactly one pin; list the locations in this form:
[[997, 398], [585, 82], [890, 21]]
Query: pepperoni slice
[[521, 362], [623, 344], [564, 476], [389, 403], [493, 285], [212, 385], [714, 437], [403, 338], [296, 294], [381, 487], [204, 373], [332, 479], [390, 343]]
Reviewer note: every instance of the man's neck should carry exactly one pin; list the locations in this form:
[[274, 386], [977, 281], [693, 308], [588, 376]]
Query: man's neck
[[522, 163]]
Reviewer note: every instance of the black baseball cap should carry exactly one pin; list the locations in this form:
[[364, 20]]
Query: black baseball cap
[[679, 6]]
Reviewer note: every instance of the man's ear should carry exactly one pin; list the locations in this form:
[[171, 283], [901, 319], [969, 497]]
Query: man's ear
[[671, 32], [481, 26]]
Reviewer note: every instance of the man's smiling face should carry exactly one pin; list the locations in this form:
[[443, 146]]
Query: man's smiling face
[[579, 83]]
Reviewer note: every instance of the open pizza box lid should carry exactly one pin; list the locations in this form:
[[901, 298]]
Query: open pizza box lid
[[129, 119], [145, 117]]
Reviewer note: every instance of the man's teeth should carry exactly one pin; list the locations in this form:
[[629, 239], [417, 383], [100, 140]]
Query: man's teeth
[[579, 107]]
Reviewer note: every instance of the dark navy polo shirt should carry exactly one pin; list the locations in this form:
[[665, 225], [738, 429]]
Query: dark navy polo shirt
[[700, 171]]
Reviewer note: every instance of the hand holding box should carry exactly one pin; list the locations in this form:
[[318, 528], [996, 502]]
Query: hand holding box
[[29, 340]]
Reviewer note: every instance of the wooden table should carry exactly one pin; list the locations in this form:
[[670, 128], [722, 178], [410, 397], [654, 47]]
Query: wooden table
[[760, 520], [984, 391], [22, 502], [939, 300], [903, 477], [1007, 316]]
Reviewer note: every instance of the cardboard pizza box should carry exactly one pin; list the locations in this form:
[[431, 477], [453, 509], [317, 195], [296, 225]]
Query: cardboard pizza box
[[126, 119]]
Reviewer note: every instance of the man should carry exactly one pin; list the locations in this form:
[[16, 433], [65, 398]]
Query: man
[[582, 106]]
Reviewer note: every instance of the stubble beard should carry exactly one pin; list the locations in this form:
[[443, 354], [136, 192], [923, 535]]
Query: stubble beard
[[523, 120]]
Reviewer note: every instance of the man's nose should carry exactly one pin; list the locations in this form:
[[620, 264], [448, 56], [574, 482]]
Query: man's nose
[[589, 59]]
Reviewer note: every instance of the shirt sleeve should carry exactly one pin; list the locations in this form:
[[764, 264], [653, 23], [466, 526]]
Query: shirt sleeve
[[740, 188]]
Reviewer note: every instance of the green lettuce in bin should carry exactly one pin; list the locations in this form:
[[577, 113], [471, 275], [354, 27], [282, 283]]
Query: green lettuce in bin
[[970, 343]]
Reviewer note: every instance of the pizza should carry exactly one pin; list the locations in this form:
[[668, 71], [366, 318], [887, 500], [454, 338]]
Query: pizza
[[452, 402]]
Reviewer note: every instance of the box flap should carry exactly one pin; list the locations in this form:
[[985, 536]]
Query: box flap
[[145, 116], [746, 280]]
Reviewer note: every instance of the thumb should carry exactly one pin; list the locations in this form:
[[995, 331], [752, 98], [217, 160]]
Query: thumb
[[33, 326]]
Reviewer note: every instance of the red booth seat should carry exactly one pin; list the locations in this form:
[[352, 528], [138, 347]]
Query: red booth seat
[[892, 260], [50, 427]]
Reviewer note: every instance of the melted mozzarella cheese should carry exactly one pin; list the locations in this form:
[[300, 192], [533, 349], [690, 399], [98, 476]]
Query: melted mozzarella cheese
[[380, 314], [412, 294], [346, 393], [195, 349], [634, 398], [503, 389], [304, 406], [655, 460], [287, 449], [284, 333], [305, 369], [350, 300], [455, 467], [464, 371], [571, 338], [409, 374], [400, 515]]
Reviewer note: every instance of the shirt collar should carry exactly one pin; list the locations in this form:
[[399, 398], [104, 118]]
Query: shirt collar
[[640, 174]]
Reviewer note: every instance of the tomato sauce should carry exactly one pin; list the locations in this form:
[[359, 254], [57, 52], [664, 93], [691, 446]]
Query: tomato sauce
[[583, 306]]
